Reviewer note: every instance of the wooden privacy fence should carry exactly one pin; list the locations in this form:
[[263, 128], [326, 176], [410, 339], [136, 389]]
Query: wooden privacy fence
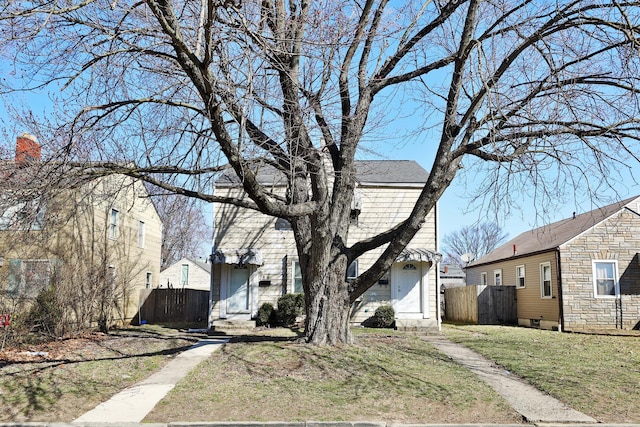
[[481, 304], [173, 305]]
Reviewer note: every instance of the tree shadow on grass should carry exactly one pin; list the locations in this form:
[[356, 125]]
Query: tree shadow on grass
[[44, 388]]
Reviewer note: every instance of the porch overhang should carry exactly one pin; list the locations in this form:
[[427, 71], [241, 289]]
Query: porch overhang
[[237, 256], [418, 255]]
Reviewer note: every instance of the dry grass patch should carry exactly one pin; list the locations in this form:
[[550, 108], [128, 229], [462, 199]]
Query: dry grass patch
[[595, 374], [60, 381], [392, 378]]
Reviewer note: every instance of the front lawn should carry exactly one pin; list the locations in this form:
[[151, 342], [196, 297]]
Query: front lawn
[[387, 376], [595, 374]]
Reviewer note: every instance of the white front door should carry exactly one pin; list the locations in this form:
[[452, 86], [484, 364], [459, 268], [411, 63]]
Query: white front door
[[408, 289], [238, 290]]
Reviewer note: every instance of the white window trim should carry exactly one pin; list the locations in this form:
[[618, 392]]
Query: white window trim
[[497, 273], [483, 278], [616, 278], [542, 295], [518, 277], [148, 280]]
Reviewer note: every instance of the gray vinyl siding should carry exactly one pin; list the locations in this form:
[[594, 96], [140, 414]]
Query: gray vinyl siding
[[382, 208]]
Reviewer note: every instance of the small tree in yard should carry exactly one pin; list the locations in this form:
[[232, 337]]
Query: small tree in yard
[[529, 94]]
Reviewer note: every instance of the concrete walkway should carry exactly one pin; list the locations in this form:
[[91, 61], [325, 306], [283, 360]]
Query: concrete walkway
[[534, 405], [133, 404]]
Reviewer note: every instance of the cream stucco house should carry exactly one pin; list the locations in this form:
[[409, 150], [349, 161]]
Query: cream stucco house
[[100, 238], [255, 259]]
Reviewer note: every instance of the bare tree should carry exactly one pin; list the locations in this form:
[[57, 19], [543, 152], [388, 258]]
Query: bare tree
[[185, 227], [477, 240], [536, 93]]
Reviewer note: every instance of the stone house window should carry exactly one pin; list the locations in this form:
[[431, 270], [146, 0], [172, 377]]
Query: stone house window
[[605, 279]]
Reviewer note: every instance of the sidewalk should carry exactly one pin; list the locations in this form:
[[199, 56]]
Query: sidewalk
[[534, 405], [133, 404]]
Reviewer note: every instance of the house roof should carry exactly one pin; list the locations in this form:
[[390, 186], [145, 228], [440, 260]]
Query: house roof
[[551, 236], [203, 265], [367, 172]]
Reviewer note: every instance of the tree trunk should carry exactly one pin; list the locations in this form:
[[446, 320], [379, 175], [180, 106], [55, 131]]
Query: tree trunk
[[328, 306]]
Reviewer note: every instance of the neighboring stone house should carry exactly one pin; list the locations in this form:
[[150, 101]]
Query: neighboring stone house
[[255, 259], [186, 273], [101, 238], [580, 273]]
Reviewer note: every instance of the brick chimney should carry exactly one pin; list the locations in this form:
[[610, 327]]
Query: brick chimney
[[27, 149]]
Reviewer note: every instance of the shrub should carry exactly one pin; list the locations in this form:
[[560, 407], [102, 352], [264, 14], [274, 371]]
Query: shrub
[[384, 317], [266, 315], [290, 307], [46, 314]]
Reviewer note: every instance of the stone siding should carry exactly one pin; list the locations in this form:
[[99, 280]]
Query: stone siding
[[617, 238]]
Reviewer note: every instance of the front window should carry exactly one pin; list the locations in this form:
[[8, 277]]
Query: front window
[[27, 277], [497, 277], [605, 279], [545, 280], [483, 279], [520, 276], [297, 278], [148, 280]]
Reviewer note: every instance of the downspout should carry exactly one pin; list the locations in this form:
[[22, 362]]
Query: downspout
[[213, 251], [438, 296], [560, 304]]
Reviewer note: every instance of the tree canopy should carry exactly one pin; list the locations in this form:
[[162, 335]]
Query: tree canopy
[[532, 94]]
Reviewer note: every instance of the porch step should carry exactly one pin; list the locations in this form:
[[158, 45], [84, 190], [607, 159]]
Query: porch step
[[415, 325], [233, 326]]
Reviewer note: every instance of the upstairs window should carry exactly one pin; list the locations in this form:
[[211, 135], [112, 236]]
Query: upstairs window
[[114, 219], [184, 275], [352, 271], [141, 232], [283, 225]]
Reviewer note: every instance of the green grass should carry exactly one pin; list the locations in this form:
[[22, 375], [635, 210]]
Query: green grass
[[596, 374], [386, 376]]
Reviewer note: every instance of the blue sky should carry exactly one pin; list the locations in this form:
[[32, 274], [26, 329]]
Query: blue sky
[[454, 209]]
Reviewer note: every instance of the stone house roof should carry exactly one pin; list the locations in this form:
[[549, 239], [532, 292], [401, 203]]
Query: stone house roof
[[551, 236]]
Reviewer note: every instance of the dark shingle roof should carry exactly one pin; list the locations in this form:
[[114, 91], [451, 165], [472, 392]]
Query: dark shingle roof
[[367, 172], [551, 236]]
